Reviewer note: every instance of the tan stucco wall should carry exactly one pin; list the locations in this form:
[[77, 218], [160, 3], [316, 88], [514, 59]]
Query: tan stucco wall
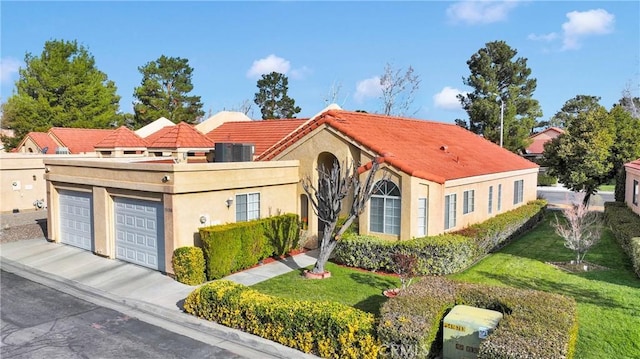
[[186, 191], [27, 172], [632, 174]]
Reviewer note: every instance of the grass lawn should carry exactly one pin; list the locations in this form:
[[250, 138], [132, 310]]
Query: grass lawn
[[359, 289], [608, 301], [607, 188]]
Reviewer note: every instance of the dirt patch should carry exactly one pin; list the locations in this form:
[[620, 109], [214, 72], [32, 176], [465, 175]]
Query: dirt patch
[[573, 267]]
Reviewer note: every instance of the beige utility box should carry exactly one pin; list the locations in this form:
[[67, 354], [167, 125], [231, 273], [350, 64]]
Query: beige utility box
[[464, 328]]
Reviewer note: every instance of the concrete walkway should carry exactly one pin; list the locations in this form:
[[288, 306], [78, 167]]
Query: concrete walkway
[[143, 293]]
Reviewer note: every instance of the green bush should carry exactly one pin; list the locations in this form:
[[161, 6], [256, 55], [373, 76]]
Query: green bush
[[188, 265], [236, 246], [535, 324], [546, 180], [327, 329], [445, 253], [625, 225]]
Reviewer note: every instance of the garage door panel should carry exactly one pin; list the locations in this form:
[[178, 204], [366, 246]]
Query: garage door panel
[[139, 232], [76, 223]]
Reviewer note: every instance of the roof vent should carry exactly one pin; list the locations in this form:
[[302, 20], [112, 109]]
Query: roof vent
[[444, 148]]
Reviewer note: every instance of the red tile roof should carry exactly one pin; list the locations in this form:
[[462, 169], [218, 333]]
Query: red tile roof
[[42, 140], [79, 140], [262, 134], [633, 164], [121, 138], [181, 135], [430, 150], [540, 138]]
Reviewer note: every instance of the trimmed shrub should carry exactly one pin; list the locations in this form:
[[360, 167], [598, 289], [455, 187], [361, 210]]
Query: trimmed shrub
[[445, 253], [188, 265], [625, 225], [236, 246], [327, 329], [546, 180], [535, 324]]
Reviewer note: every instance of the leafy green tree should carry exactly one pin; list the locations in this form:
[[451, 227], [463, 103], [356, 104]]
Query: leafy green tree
[[626, 146], [498, 79], [272, 97], [63, 88], [164, 92], [581, 157]]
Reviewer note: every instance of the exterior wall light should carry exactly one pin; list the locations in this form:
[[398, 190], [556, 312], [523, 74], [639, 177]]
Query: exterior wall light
[[229, 202], [166, 179]]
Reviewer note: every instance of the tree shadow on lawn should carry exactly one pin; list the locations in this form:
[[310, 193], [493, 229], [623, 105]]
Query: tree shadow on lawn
[[373, 303], [580, 294]]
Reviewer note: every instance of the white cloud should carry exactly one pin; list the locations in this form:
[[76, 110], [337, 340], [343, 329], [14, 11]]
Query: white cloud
[[480, 12], [368, 88], [267, 65], [8, 67], [543, 37], [585, 23], [301, 73], [447, 99]]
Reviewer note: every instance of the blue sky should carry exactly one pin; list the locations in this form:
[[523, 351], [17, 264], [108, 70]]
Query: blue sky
[[572, 47]]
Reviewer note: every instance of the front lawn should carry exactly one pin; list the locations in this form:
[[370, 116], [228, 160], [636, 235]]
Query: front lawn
[[608, 301], [359, 289]]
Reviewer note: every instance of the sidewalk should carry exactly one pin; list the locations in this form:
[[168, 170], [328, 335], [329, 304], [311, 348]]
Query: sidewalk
[[152, 296]]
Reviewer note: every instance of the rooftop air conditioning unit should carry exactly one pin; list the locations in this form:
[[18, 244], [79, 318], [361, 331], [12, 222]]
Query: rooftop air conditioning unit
[[62, 151], [242, 152], [224, 152]]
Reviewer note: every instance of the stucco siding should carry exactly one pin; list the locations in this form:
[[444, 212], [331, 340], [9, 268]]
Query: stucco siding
[[633, 174]]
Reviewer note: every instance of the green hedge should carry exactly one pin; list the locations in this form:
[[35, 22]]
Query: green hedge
[[188, 265], [327, 329], [233, 247], [445, 253], [546, 180], [625, 225], [535, 324]]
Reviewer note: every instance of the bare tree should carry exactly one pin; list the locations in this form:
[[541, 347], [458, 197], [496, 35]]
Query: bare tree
[[398, 90], [333, 96], [581, 230], [246, 107], [629, 102], [334, 185]]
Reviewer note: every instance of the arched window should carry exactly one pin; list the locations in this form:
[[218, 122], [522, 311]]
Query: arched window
[[385, 208]]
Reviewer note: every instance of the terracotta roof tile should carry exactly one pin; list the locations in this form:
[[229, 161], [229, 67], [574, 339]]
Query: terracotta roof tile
[[633, 164], [540, 138], [121, 138], [43, 140], [181, 135], [262, 134], [431, 150], [79, 140]]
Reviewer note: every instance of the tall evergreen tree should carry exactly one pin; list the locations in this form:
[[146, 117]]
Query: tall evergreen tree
[[163, 92], [272, 97], [60, 88], [498, 79]]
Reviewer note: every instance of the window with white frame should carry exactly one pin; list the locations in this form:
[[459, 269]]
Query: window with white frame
[[385, 208], [499, 197], [518, 188], [636, 192], [449, 211], [247, 207], [468, 201], [490, 203], [422, 217]]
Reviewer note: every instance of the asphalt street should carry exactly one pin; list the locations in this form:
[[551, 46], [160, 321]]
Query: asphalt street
[[563, 197], [42, 322]]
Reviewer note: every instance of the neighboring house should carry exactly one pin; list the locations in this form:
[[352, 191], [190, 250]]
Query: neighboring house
[[59, 140], [534, 151], [441, 178], [220, 118], [154, 126], [632, 188], [121, 142]]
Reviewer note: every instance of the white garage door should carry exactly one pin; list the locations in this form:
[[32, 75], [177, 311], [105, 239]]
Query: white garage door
[[140, 232], [75, 219]]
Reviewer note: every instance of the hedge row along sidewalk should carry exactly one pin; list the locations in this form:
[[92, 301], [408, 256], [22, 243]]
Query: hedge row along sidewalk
[[443, 254], [625, 226], [324, 328]]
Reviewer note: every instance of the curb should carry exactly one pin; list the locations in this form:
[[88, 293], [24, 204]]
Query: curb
[[244, 344]]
